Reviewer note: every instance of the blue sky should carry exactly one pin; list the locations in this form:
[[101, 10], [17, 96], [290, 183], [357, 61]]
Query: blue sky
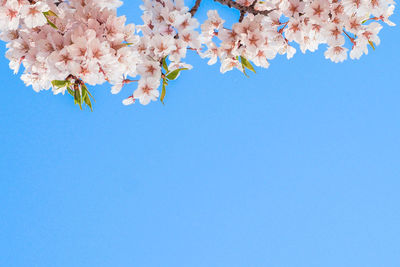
[[296, 166]]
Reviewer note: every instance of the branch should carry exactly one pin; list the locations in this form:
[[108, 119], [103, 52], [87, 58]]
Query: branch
[[242, 13], [244, 9], [195, 7]]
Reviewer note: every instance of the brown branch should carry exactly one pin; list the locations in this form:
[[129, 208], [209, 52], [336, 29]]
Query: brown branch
[[195, 7], [245, 9], [242, 13]]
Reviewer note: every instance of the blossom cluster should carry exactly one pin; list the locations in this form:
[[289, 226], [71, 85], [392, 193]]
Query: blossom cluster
[[66, 45], [168, 31], [82, 40], [259, 38]]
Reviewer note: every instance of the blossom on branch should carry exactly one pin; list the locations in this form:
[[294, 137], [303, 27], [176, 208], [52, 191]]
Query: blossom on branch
[[66, 45]]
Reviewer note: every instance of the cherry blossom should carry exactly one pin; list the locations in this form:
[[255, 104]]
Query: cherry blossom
[[66, 46]]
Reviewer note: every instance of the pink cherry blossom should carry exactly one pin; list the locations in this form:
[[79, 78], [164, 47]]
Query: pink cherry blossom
[[78, 43]]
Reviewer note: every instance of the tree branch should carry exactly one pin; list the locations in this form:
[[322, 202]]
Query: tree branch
[[242, 13], [245, 9], [195, 7]]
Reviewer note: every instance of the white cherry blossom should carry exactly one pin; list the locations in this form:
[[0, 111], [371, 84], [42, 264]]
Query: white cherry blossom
[[66, 45]]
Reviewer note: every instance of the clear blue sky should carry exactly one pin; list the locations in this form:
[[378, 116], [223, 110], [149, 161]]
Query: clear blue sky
[[297, 166]]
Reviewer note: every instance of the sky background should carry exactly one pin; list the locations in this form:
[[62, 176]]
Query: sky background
[[296, 166]]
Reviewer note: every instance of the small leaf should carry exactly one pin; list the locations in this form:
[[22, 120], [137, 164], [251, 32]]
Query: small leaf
[[59, 84], [78, 98], [164, 64], [84, 86], [372, 44], [243, 67], [88, 102], [163, 92], [50, 13], [244, 71], [174, 74], [84, 92], [70, 91], [86, 96], [364, 21], [247, 64], [51, 24]]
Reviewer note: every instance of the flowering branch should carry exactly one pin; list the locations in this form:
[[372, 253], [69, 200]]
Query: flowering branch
[[66, 46], [245, 9], [195, 7]]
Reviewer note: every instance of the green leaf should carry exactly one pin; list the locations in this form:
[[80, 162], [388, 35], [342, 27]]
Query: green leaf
[[84, 86], [78, 98], [88, 102], [86, 96], [51, 24], [84, 92], [244, 68], [60, 84], [164, 64], [244, 71], [163, 92], [247, 64], [372, 44], [174, 74], [50, 13], [364, 21], [70, 91]]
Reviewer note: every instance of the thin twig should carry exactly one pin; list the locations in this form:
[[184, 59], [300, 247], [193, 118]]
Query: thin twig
[[242, 13], [254, 4], [195, 7], [245, 9]]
